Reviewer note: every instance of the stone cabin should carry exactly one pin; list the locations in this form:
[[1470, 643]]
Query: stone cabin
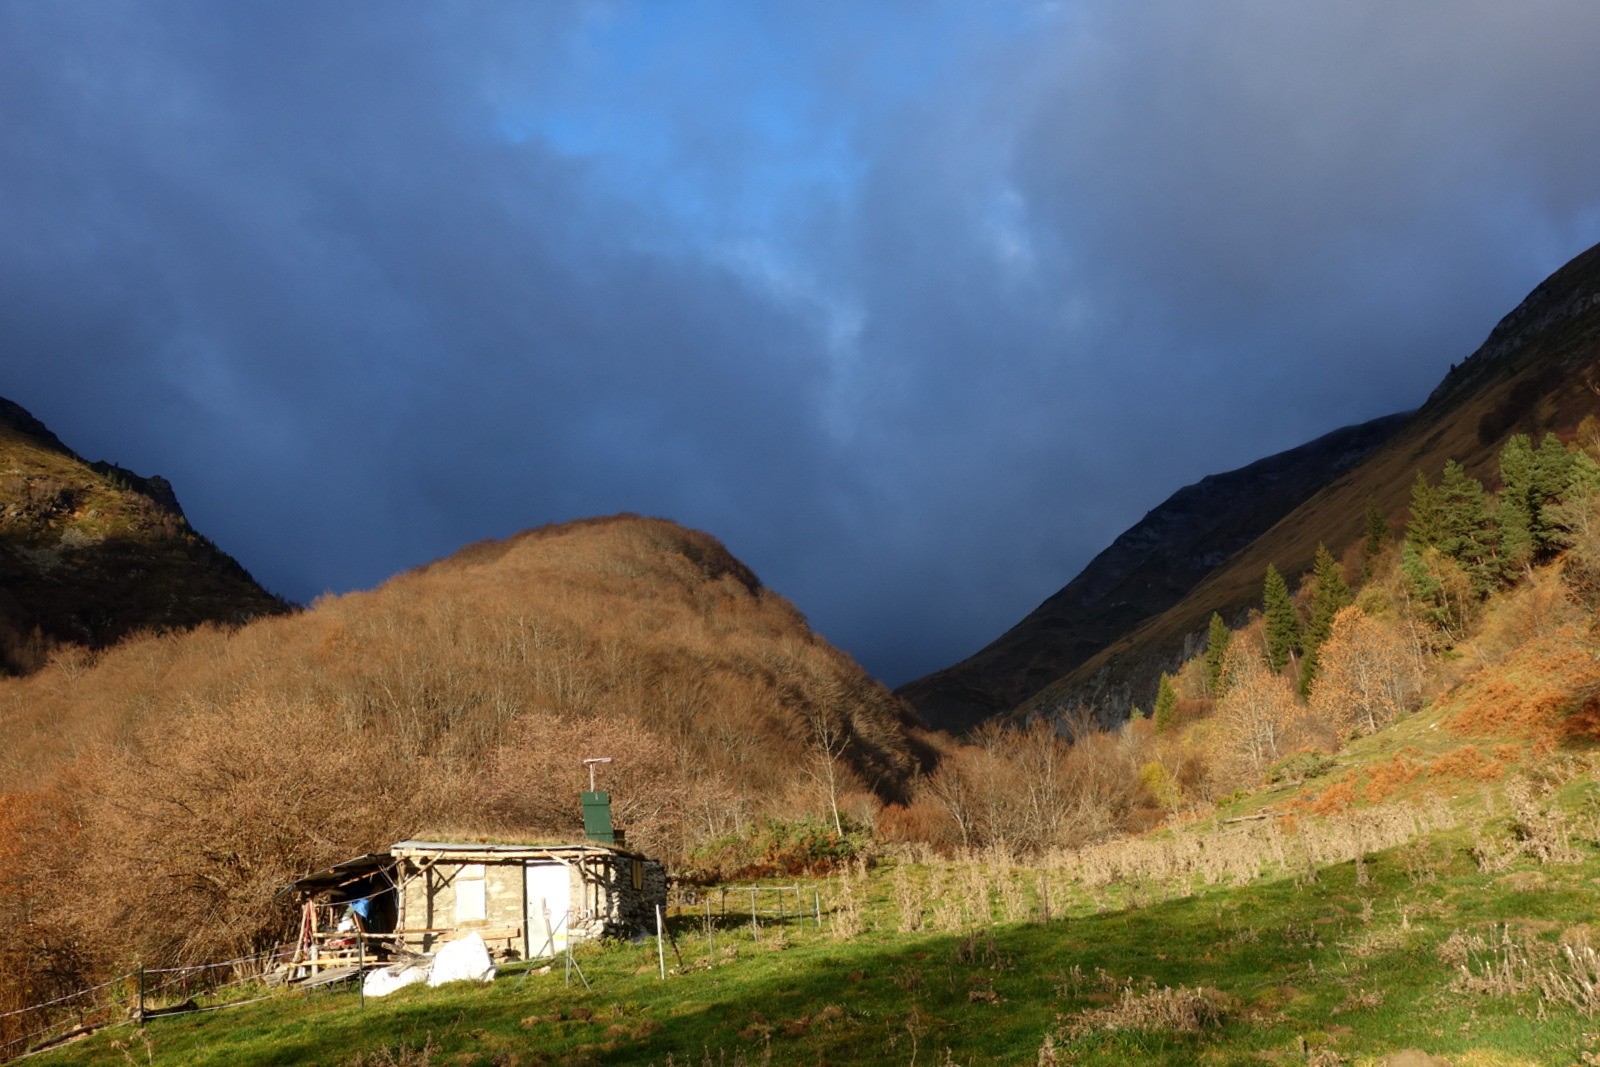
[[526, 901]]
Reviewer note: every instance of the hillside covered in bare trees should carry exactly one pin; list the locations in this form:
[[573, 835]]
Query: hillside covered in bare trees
[[165, 789]]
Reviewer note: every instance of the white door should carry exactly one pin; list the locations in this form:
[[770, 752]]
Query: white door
[[548, 896]]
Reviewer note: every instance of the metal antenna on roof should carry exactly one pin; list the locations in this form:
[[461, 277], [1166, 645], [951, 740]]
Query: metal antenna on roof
[[590, 764]]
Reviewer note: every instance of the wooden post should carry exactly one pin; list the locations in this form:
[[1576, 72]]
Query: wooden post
[[711, 939], [781, 914], [755, 926], [361, 962], [661, 946], [816, 900], [1044, 893], [140, 1016], [400, 898]]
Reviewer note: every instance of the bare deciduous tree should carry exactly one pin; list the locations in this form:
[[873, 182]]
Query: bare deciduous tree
[[1368, 675]]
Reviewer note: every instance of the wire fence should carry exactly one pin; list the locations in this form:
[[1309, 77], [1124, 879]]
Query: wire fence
[[151, 992], [130, 999], [44, 1025], [757, 905]]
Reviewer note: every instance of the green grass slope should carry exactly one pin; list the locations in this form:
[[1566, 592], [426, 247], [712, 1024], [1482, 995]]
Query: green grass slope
[[1448, 913]]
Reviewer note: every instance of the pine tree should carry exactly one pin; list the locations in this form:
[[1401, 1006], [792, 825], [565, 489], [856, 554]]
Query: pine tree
[[1423, 529], [1467, 532], [1166, 702], [1515, 511], [1283, 622], [1217, 637], [1330, 594], [1377, 536], [1422, 584], [1440, 591], [1582, 477], [1552, 475], [1575, 509]]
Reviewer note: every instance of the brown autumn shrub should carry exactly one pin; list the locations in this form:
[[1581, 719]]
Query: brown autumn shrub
[[1540, 606], [189, 837], [628, 620], [1539, 691], [40, 958], [1367, 674], [1385, 779], [922, 821], [536, 774], [1338, 797], [1466, 762], [1031, 789], [1253, 718], [1163, 1009]]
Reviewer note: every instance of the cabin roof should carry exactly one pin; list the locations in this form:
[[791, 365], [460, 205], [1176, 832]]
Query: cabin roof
[[474, 851], [358, 867], [343, 872]]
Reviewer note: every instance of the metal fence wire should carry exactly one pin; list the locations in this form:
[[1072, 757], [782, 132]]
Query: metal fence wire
[[150, 992], [758, 905], [127, 999]]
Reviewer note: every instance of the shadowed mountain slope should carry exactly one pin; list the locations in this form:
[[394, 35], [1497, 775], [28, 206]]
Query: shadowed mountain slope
[[1146, 570], [1537, 372], [1137, 607], [90, 552]]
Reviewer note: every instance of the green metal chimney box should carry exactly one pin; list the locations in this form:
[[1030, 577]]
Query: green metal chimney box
[[597, 818]]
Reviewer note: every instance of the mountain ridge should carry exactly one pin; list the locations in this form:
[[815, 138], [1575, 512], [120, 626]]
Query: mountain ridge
[[1149, 567], [1537, 370], [92, 552]]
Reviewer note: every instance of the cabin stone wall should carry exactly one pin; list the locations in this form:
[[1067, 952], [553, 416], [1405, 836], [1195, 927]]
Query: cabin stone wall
[[609, 896], [448, 897], [622, 894]]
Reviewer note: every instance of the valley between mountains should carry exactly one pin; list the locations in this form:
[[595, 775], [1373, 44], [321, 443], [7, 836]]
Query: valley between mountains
[[1301, 769]]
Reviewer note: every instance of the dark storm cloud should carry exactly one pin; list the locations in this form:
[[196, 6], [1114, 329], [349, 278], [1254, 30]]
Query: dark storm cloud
[[915, 307]]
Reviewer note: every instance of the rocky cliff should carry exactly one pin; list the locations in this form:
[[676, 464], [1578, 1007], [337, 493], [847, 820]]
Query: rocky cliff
[[90, 552]]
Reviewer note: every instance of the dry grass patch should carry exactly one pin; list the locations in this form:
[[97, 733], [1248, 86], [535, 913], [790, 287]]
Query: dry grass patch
[[1180, 1010], [1532, 692]]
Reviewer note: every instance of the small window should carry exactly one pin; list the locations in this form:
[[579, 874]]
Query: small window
[[471, 900], [638, 874]]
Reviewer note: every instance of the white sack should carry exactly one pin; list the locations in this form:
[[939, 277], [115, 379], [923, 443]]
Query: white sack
[[466, 960], [381, 983]]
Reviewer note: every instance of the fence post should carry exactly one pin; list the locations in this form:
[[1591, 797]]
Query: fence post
[[661, 948], [361, 964], [711, 940], [140, 1016], [755, 925], [816, 900]]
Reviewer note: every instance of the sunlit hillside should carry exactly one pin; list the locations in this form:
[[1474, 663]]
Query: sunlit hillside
[[164, 790]]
